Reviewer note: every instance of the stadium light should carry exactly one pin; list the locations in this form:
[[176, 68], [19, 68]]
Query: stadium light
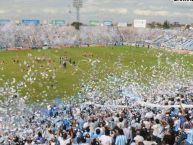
[[78, 4]]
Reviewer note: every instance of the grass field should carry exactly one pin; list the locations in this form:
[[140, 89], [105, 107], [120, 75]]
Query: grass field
[[39, 74]]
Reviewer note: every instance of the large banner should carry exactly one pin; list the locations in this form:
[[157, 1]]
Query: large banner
[[122, 24], [4, 22], [31, 22], [58, 22], [94, 23], [140, 23], [107, 23]]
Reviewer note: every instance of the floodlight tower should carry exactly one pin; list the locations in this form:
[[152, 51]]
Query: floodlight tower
[[78, 4]]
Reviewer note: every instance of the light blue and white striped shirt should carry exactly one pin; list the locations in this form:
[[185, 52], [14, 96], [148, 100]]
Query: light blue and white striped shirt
[[189, 136], [177, 125], [121, 140]]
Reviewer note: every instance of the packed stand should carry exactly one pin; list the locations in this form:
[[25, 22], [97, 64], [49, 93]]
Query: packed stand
[[99, 125], [21, 36]]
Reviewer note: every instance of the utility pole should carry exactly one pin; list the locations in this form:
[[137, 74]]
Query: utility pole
[[78, 4]]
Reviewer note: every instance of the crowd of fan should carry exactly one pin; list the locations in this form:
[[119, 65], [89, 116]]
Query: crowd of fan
[[13, 36], [89, 124]]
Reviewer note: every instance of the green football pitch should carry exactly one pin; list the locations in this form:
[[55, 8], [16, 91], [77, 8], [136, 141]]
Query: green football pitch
[[40, 74]]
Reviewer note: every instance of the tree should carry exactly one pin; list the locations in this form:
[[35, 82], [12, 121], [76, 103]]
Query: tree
[[166, 25], [77, 25], [187, 26], [159, 25], [152, 25]]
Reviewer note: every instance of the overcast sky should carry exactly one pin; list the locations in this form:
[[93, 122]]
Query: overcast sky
[[115, 10]]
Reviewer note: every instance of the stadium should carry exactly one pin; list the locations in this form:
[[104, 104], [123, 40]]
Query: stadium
[[96, 82]]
